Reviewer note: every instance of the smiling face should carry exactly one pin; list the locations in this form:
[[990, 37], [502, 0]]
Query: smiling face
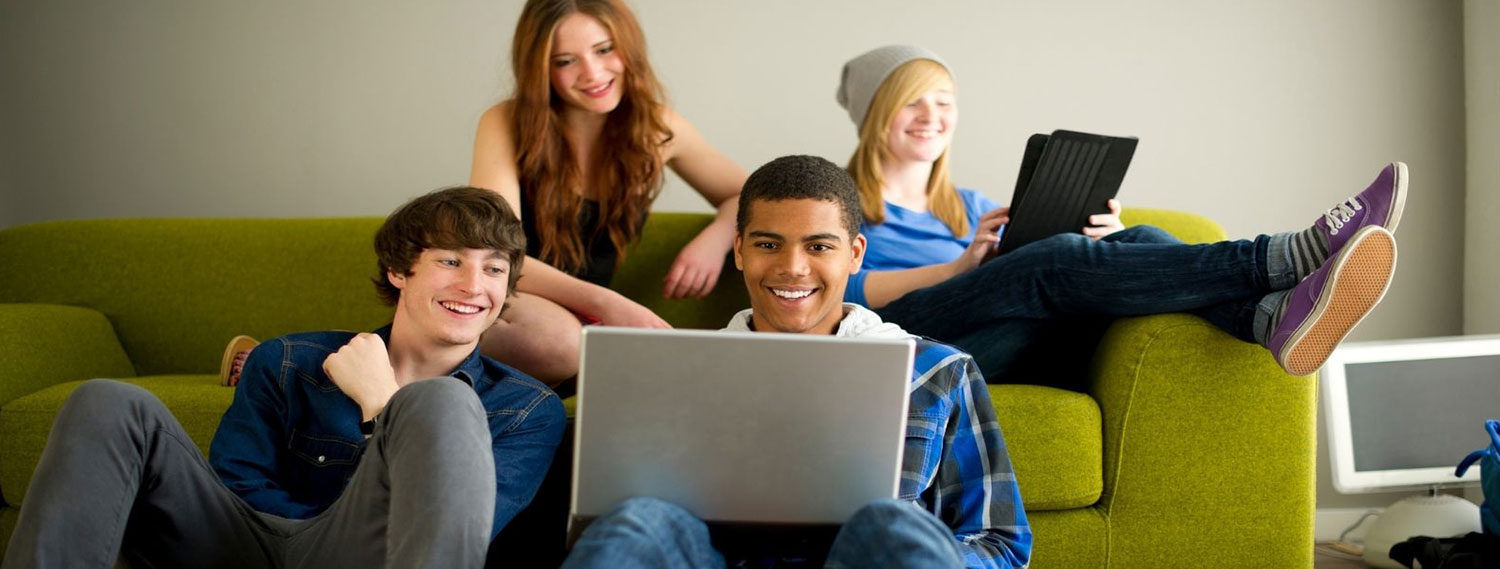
[[797, 256], [587, 71], [451, 296], [922, 130]]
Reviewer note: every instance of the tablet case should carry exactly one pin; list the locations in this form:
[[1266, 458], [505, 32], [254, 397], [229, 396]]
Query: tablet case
[[1065, 177]]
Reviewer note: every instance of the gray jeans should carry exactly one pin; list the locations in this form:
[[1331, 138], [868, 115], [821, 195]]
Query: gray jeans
[[120, 478]]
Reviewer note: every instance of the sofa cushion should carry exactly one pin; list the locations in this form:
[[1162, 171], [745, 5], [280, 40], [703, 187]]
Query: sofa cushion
[[1056, 442], [50, 343], [198, 402]]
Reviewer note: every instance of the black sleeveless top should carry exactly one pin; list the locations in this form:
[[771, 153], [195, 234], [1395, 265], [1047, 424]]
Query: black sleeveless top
[[600, 255]]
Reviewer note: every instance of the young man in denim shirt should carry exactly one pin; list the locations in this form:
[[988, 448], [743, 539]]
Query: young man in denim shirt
[[959, 504], [402, 448]]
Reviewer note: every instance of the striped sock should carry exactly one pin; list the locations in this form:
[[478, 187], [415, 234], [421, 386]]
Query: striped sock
[[1268, 313], [1309, 250]]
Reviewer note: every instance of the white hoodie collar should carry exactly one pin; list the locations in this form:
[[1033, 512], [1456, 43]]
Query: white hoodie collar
[[858, 322]]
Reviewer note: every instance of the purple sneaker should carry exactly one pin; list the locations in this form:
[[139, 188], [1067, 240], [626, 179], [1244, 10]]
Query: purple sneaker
[[1321, 310], [1380, 204]]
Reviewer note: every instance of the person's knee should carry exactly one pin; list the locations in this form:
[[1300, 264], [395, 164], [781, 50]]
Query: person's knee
[[651, 516], [890, 514], [1142, 234], [107, 408], [441, 404], [883, 511], [544, 348], [106, 396]]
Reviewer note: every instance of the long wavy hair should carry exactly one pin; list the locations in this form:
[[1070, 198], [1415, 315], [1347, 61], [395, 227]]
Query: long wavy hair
[[628, 174], [901, 87]]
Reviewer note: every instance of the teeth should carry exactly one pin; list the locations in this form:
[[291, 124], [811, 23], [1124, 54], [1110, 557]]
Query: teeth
[[460, 308], [597, 90], [791, 294]]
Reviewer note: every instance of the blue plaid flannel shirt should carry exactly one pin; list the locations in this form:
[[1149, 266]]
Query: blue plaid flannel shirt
[[955, 462]]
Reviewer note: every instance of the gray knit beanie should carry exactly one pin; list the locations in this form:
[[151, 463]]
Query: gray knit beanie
[[863, 75]]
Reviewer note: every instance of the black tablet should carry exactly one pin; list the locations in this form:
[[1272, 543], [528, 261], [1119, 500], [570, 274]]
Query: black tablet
[[1065, 177]]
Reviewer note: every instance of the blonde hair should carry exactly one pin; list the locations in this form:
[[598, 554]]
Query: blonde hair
[[903, 86]]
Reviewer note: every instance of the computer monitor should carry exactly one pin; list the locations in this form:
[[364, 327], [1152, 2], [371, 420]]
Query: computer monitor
[[1401, 414]]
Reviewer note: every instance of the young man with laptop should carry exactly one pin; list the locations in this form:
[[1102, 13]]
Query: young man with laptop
[[957, 501], [399, 448]]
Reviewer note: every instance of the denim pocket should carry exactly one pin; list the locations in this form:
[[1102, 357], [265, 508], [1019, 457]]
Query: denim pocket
[[323, 451]]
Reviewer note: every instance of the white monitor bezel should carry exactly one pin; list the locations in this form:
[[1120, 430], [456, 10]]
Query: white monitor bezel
[[1336, 411]]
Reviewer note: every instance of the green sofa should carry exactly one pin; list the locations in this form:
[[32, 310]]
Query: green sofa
[[1187, 447]]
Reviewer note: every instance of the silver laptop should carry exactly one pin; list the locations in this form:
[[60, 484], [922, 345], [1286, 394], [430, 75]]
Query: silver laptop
[[738, 426]]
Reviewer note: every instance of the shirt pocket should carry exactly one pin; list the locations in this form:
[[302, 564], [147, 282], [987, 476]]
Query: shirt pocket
[[322, 451], [920, 455]]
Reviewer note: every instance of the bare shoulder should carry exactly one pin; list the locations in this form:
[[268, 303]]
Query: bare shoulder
[[494, 165], [497, 118], [684, 136]]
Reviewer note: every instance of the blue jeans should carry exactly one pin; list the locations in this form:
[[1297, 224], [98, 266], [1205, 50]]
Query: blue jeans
[[643, 533], [1000, 308]]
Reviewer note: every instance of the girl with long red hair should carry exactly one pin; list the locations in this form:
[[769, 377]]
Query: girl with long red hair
[[579, 150]]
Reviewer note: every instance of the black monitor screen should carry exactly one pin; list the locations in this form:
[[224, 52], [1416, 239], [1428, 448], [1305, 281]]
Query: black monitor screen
[[1420, 413]]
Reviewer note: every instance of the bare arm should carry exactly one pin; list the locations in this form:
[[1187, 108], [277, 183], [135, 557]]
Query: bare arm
[[883, 287], [718, 179], [495, 168]]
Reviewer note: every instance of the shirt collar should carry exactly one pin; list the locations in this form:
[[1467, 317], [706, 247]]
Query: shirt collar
[[468, 371]]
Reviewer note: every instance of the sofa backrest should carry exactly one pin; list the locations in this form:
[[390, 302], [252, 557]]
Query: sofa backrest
[[176, 290]]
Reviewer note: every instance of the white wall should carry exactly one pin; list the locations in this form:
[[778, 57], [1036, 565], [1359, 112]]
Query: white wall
[[1258, 114], [1482, 210]]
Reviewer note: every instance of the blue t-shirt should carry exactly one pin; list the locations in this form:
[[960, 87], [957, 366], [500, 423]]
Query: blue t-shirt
[[909, 239]]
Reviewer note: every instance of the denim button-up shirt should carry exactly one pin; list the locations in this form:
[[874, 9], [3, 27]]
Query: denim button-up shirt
[[290, 441]]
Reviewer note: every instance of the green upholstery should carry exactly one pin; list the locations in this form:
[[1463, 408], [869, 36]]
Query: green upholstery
[[45, 344], [1060, 467], [641, 275], [177, 290], [1187, 444]]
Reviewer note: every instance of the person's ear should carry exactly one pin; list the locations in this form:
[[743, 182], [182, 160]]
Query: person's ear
[[858, 248], [739, 260], [396, 279]]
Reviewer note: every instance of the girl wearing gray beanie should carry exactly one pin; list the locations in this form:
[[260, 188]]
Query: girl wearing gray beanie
[[579, 150], [931, 265]]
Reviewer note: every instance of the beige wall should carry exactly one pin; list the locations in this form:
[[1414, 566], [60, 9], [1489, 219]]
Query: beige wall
[[1258, 114], [1482, 210]]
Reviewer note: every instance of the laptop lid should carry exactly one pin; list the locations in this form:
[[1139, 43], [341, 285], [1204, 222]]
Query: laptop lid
[[738, 426]]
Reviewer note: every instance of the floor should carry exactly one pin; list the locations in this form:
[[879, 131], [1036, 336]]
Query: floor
[[1324, 560]]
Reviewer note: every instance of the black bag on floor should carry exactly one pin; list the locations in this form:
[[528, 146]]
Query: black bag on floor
[[1473, 551]]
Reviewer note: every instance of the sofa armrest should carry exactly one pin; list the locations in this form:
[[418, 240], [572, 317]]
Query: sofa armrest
[[1189, 227], [42, 345], [1209, 447]]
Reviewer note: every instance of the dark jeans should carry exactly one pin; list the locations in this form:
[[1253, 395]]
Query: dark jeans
[[120, 477], [1066, 288]]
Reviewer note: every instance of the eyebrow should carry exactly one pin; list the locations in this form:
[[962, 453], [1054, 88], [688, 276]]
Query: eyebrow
[[555, 54], [494, 253], [805, 239]]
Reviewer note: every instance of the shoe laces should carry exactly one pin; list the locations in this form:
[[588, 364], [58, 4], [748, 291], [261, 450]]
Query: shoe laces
[[1341, 214]]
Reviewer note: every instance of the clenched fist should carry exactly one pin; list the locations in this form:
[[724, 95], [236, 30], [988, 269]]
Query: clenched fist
[[362, 370]]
